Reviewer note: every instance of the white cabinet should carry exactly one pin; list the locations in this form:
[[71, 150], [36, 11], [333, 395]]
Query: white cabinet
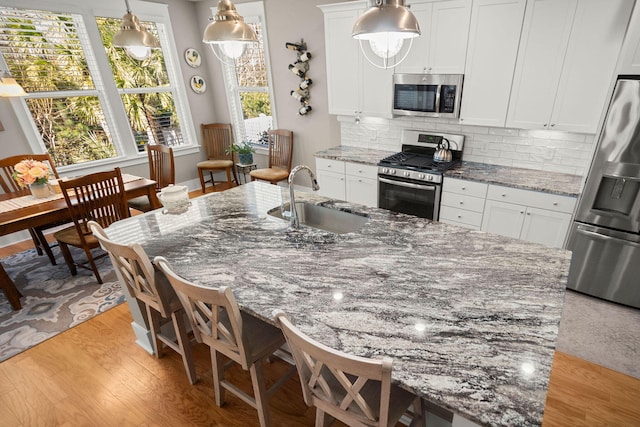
[[442, 46], [565, 63], [629, 62], [528, 215], [491, 58], [354, 86], [462, 202], [353, 182], [330, 176], [362, 184]]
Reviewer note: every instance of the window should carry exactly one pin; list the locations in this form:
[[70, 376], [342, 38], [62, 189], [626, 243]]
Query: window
[[248, 83], [71, 104]]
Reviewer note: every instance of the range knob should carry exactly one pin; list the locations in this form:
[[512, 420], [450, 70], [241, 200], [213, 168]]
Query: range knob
[[430, 178], [385, 170], [421, 176], [392, 171], [407, 174]]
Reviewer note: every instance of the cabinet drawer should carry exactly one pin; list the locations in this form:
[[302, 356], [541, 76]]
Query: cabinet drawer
[[329, 165], [359, 169], [461, 186], [463, 201], [536, 199], [463, 216]]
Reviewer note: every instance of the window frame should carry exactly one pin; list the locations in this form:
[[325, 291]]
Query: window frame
[[252, 11], [110, 96]]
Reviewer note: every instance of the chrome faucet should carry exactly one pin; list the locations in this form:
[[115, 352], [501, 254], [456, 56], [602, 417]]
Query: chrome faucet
[[295, 221]]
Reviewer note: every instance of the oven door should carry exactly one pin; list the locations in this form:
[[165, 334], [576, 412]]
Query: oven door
[[419, 199]]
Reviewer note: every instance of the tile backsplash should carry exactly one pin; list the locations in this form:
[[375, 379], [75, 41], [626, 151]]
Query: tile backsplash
[[531, 149]]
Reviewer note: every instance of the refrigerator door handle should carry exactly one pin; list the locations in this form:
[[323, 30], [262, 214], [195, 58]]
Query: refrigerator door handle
[[597, 235]]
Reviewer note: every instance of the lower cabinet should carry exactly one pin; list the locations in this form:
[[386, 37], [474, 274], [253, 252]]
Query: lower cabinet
[[462, 202], [353, 182], [528, 215]]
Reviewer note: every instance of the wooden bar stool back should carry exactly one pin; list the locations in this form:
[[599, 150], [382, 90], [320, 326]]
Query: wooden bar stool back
[[280, 157]]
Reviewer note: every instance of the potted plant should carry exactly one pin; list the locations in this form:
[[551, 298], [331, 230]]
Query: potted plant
[[245, 152]]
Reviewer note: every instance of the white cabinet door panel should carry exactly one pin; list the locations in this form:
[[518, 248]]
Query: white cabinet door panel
[[545, 227], [545, 35], [417, 61], [461, 201], [462, 216], [491, 58], [503, 218], [462, 186], [596, 37], [362, 190], [449, 34], [331, 184]]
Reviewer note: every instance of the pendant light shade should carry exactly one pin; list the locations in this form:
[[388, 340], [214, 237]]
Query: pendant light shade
[[228, 32], [134, 38], [9, 87], [385, 25]]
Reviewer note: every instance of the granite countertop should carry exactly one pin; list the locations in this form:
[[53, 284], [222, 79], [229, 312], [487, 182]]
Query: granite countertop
[[526, 179], [470, 319]]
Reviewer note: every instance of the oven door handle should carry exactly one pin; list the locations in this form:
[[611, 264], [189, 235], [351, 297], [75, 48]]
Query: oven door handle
[[407, 184]]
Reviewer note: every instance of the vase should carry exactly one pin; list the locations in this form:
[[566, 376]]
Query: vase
[[245, 158], [39, 190]]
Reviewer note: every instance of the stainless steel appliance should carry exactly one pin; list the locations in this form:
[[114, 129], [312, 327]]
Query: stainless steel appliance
[[427, 95], [411, 181], [605, 237]]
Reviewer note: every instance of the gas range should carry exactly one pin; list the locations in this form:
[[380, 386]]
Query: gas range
[[415, 161]]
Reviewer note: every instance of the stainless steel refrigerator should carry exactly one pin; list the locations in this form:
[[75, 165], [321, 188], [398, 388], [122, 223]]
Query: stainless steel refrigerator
[[605, 235]]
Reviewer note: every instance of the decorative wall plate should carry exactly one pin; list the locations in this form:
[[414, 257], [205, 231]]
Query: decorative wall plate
[[198, 84], [192, 57]]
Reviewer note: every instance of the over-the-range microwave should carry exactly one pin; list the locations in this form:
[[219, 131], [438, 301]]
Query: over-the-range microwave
[[427, 95]]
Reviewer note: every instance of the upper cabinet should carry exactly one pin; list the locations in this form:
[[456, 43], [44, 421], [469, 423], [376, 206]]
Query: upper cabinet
[[491, 59], [442, 46], [566, 59], [354, 86]]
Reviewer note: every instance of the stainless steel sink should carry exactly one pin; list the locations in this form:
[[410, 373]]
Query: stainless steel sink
[[323, 218]]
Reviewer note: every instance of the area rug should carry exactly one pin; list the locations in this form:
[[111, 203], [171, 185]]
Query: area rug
[[601, 332], [53, 300]]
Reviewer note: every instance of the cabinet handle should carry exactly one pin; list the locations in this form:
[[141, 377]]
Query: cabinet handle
[[328, 166], [553, 124], [459, 216], [464, 188], [504, 195], [545, 125], [521, 212], [555, 203], [461, 202], [528, 213]]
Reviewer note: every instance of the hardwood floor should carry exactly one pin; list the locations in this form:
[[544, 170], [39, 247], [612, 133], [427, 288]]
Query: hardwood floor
[[95, 375]]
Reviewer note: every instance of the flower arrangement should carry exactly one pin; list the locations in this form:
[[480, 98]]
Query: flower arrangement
[[30, 171]]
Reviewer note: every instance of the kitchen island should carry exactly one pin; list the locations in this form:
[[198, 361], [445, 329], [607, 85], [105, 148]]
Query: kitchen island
[[470, 319]]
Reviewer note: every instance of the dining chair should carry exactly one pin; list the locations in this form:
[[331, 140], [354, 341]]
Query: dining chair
[[99, 197], [280, 156], [151, 287], [217, 139], [352, 389], [9, 185], [217, 321], [162, 170]]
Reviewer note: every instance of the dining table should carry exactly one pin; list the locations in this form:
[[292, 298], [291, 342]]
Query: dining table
[[21, 211], [469, 318]]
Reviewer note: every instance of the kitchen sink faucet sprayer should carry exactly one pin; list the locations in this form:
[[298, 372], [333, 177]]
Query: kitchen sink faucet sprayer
[[295, 221]]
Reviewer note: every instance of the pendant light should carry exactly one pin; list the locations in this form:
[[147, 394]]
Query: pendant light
[[9, 87], [134, 38], [228, 34], [386, 25]]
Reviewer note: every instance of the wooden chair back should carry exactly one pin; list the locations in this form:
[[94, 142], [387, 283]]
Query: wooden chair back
[[280, 149], [8, 184], [134, 268], [162, 168], [333, 381], [99, 197], [217, 139], [214, 315]]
